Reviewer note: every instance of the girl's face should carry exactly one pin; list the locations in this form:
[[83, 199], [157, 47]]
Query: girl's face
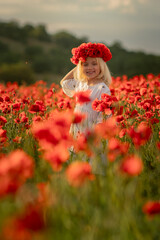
[[91, 68]]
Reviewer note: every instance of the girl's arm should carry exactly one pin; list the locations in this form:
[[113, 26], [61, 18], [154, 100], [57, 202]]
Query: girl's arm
[[68, 75]]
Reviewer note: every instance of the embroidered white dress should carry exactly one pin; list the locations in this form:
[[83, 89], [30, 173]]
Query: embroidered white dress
[[72, 86]]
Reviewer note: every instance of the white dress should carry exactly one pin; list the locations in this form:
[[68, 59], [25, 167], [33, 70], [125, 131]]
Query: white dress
[[72, 86]]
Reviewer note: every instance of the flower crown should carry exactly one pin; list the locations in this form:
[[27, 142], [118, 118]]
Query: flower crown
[[90, 50]]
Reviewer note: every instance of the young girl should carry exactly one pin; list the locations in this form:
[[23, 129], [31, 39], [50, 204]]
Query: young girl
[[91, 73]]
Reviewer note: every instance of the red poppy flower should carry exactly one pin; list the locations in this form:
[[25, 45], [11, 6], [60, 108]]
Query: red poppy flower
[[107, 129], [16, 106], [105, 103], [37, 119], [14, 170], [152, 208], [3, 121], [78, 173], [57, 156], [46, 131], [3, 133], [154, 120], [122, 133], [143, 91], [99, 105], [7, 99], [108, 111], [82, 97], [32, 219], [17, 139], [82, 142], [132, 165], [17, 120], [78, 117], [158, 145], [26, 225], [133, 113], [119, 118], [150, 76], [140, 135], [35, 108], [116, 148]]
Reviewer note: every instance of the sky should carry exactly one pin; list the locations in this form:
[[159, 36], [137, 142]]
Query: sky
[[133, 23]]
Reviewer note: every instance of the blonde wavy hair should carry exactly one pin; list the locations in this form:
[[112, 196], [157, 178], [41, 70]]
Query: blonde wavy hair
[[104, 74]]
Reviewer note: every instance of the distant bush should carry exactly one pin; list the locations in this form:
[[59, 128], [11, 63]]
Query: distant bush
[[19, 72], [38, 59], [132, 63], [12, 30], [3, 47], [60, 60], [33, 51], [7, 56], [42, 63]]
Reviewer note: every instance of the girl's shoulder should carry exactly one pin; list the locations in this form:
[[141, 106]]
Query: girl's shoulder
[[100, 88]]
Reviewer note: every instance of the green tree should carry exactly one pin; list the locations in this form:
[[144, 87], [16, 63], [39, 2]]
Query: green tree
[[12, 30], [7, 56], [33, 51], [42, 63], [60, 60], [39, 32], [67, 40], [28, 29]]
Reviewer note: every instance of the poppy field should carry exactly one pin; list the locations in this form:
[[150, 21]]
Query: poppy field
[[48, 188]]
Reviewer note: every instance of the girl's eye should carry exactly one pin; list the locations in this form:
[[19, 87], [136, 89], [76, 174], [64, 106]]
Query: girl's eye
[[86, 64]]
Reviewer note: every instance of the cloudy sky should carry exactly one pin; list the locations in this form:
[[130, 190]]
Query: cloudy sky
[[135, 23]]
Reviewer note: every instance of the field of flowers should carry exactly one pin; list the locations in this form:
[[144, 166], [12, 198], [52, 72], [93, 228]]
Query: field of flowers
[[48, 191]]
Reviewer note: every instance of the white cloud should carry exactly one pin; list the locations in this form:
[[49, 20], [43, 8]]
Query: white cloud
[[109, 5], [143, 1], [124, 6], [12, 2], [60, 7], [115, 4], [7, 11], [71, 26], [86, 5], [95, 8]]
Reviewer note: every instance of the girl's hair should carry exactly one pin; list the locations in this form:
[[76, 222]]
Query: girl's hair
[[104, 72]]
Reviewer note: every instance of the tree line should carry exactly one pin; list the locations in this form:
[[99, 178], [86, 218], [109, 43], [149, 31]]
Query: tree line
[[27, 51]]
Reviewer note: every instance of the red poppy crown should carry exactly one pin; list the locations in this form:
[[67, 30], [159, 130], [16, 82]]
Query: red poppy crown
[[90, 50]]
